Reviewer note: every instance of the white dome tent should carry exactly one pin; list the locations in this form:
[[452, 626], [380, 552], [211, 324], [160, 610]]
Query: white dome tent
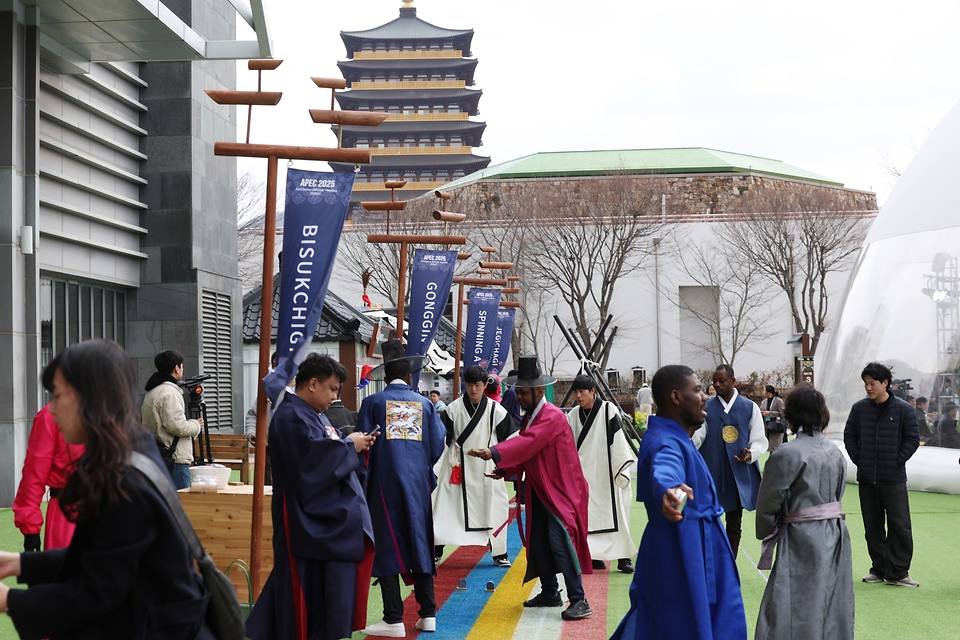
[[902, 302]]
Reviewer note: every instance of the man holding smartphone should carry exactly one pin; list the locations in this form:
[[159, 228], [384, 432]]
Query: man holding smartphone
[[731, 441]]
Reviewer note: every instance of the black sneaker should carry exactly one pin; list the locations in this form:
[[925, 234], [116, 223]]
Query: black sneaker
[[545, 600], [599, 565], [577, 611], [501, 561], [624, 565]]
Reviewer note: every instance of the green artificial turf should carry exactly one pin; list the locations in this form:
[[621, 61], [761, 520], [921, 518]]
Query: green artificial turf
[[882, 611]]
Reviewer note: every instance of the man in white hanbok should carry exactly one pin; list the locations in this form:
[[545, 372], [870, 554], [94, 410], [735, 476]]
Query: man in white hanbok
[[470, 508], [606, 459]]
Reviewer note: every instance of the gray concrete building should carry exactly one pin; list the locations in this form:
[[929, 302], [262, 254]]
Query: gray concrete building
[[116, 219]]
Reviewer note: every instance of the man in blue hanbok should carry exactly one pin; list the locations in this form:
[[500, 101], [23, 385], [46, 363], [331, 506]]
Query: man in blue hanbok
[[399, 485], [686, 584]]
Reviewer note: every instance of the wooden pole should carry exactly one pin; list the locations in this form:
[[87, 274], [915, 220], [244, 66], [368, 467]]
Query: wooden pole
[[401, 289], [456, 366], [266, 320]]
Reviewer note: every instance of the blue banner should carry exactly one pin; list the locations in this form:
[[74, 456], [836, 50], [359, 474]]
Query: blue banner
[[501, 340], [316, 207], [429, 290], [481, 326]]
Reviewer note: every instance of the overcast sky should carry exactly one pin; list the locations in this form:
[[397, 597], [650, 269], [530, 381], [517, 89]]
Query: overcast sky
[[834, 87]]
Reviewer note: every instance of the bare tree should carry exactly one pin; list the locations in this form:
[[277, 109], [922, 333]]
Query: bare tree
[[734, 305], [586, 239], [356, 255], [251, 203], [795, 238]]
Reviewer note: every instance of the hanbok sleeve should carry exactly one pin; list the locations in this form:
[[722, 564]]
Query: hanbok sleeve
[[621, 456], [758, 437], [779, 473], [313, 461], [666, 471], [516, 451]]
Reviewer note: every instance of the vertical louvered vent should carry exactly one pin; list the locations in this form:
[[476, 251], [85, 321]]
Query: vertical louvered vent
[[216, 338]]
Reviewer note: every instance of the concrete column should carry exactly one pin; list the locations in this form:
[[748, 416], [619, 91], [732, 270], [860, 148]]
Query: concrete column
[[19, 339]]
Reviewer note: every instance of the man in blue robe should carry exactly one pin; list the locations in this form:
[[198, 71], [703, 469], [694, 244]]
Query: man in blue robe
[[686, 584], [322, 532], [399, 485]]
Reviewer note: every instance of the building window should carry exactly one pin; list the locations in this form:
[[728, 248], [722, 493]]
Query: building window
[[409, 108], [393, 109], [393, 142], [458, 173], [72, 311], [454, 108], [216, 336], [440, 141], [456, 141], [410, 175], [409, 141]]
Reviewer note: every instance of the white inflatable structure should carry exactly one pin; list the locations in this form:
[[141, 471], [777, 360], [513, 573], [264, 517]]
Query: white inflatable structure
[[902, 303]]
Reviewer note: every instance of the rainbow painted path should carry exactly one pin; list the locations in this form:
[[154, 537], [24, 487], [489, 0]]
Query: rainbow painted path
[[476, 614]]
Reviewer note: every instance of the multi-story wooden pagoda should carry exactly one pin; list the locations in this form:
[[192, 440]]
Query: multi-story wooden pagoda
[[419, 74]]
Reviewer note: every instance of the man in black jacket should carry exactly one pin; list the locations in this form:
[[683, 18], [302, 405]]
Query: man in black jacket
[[881, 434]]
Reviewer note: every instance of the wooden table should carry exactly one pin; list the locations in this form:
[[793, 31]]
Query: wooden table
[[222, 521]]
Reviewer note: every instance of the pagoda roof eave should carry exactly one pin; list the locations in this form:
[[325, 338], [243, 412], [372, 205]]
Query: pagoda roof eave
[[440, 161], [415, 126], [406, 28], [408, 63], [408, 94]]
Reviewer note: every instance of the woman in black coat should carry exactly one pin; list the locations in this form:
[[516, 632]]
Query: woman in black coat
[[128, 572]]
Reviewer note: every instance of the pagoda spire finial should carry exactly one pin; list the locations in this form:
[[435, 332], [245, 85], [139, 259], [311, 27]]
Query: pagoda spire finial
[[407, 9], [407, 4]]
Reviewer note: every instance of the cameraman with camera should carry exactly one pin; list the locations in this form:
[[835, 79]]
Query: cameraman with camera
[[164, 413]]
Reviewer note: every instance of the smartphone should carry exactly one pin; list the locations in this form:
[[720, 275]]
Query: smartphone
[[375, 431]]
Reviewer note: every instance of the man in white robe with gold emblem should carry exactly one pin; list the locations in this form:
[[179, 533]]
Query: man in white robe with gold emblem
[[606, 459], [470, 508]]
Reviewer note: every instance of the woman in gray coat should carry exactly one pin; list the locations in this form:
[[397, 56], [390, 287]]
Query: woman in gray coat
[[810, 591], [771, 408]]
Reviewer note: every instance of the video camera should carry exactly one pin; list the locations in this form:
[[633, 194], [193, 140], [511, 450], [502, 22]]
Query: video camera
[[903, 388], [194, 387]]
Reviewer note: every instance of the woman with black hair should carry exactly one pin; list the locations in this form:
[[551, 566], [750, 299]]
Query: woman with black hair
[[810, 591], [771, 408], [128, 572]]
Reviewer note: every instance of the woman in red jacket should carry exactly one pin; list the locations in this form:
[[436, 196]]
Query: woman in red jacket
[[48, 462]]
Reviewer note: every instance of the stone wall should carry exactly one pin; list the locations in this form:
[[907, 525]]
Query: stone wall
[[686, 194]]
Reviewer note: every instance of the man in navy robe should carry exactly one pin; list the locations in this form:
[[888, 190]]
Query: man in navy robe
[[731, 442], [399, 485], [686, 583], [322, 532]]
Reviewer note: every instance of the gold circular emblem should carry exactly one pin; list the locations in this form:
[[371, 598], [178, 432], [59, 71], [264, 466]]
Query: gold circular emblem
[[730, 434]]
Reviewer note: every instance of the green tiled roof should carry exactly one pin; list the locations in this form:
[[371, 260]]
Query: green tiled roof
[[633, 161]]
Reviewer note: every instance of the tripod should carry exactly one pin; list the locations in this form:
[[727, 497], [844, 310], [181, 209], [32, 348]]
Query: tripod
[[198, 409]]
